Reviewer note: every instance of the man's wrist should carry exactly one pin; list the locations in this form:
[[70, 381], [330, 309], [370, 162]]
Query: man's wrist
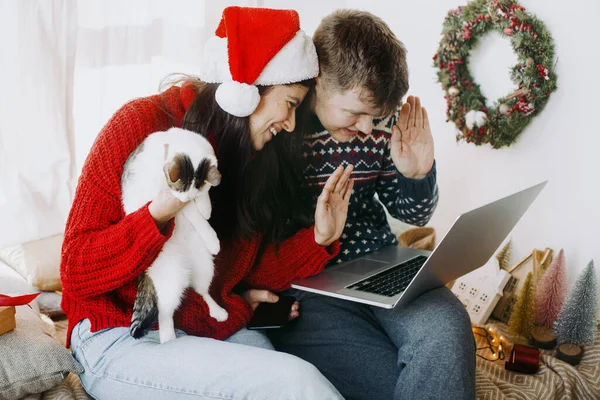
[[415, 177]]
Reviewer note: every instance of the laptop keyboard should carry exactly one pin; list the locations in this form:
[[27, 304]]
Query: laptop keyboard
[[392, 281]]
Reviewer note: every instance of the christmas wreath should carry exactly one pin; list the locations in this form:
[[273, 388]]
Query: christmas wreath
[[534, 75]]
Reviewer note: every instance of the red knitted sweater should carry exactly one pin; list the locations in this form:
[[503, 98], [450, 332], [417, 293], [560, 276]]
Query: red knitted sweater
[[104, 250]]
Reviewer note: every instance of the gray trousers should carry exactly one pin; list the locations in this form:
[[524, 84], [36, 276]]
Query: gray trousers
[[424, 350]]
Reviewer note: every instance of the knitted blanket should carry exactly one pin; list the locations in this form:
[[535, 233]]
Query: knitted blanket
[[554, 380]]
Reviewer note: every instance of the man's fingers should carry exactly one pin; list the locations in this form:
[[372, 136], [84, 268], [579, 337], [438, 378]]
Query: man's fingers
[[411, 116], [425, 119], [404, 115], [418, 113], [294, 313]]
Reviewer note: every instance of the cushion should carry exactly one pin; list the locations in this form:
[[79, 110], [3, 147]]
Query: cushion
[[37, 261], [31, 361], [49, 303], [420, 237]]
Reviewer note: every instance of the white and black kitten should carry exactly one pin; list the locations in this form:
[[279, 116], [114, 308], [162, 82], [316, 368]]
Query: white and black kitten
[[187, 162]]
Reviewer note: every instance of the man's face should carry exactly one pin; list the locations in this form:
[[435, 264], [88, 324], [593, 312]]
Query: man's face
[[343, 114]]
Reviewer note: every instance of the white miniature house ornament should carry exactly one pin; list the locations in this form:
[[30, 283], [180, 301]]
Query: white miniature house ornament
[[480, 290]]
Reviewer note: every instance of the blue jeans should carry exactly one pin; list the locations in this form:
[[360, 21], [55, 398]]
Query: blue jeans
[[245, 366], [424, 350]]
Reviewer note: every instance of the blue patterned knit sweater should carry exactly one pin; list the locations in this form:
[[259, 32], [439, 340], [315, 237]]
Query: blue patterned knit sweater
[[411, 201]]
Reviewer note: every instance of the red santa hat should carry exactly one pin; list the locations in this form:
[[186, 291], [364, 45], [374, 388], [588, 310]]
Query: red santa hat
[[256, 46]]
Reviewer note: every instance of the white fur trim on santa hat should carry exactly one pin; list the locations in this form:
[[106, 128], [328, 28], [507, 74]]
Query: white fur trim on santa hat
[[237, 99], [215, 67], [295, 62]]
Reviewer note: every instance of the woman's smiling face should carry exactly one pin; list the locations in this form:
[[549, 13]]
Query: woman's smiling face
[[275, 112]]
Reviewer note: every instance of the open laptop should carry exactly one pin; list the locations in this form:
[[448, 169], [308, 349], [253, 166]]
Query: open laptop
[[396, 275]]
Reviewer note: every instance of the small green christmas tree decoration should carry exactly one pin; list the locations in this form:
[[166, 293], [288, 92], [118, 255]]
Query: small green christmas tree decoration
[[504, 256], [576, 322], [521, 319]]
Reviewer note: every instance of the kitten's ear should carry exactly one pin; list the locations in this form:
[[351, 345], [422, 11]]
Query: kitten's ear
[[179, 173], [207, 173], [214, 176], [166, 152], [172, 171]]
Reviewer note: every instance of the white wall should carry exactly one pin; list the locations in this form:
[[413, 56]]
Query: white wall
[[562, 144]]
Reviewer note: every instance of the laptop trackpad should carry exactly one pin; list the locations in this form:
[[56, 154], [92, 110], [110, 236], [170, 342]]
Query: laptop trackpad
[[362, 266]]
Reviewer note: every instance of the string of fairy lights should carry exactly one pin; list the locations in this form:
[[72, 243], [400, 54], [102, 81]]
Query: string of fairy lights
[[494, 350]]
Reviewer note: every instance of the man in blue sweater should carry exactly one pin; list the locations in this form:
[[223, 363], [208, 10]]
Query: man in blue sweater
[[424, 350]]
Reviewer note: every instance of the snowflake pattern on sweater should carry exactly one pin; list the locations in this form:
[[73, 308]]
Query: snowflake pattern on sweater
[[377, 184]]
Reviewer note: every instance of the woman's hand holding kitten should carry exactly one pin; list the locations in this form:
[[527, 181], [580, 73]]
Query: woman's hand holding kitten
[[164, 206]]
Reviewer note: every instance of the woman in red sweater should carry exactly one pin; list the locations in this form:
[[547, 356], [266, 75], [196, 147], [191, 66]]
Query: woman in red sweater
[[267, 238]]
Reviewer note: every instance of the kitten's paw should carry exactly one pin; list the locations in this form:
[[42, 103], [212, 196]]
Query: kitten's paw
[[214, 246], [219, 314], [166, 336]]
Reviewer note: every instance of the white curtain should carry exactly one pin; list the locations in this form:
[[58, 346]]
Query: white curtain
[[67, 66], [126, 48], [37, 42]]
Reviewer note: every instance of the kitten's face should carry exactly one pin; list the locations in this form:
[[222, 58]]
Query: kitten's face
[[188, 181]]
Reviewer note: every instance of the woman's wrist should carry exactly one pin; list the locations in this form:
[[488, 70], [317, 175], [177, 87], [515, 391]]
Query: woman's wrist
[[160, 219], [322, 240]]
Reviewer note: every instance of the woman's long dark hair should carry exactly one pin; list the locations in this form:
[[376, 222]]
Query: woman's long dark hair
[[261, 192]]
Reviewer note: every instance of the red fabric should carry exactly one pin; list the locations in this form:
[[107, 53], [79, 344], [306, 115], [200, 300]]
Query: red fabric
[[6, 301], [104, 251], [246, 30], [187, 94]]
